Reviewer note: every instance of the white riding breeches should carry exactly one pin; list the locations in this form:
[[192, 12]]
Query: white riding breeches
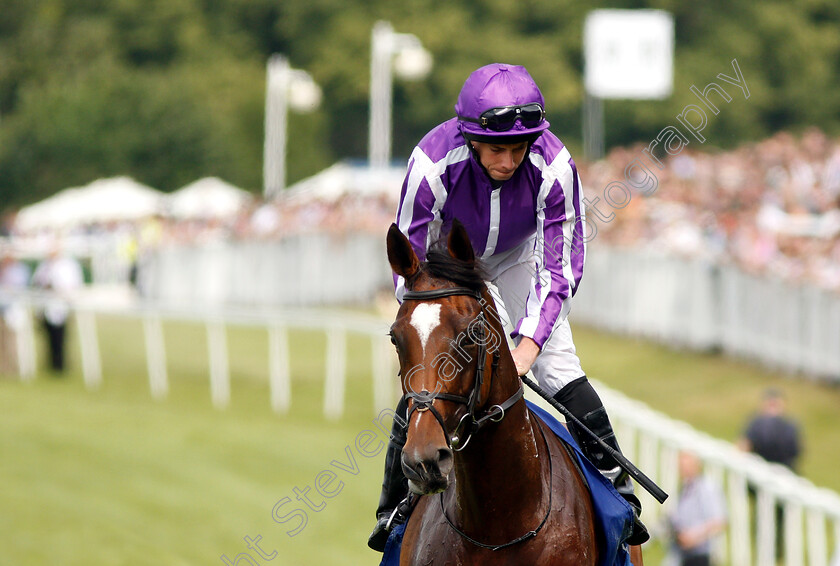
[[511, 274]]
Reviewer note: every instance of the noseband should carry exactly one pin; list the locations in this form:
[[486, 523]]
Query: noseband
[[470, 422]]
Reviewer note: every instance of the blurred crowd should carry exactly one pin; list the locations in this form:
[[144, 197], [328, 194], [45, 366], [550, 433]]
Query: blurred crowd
[[262, 220], [771, 207]]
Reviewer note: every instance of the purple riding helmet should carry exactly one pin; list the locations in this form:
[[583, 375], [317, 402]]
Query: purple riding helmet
[[501, 104]]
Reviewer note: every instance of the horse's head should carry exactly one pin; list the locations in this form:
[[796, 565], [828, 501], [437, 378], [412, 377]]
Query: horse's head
[[449, 340]]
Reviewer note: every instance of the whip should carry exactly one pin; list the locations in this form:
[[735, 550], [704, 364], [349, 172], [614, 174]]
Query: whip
[[648, 484]]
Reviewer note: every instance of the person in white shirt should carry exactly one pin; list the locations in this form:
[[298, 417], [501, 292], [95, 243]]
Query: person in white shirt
[[61, 276], [698, 516]]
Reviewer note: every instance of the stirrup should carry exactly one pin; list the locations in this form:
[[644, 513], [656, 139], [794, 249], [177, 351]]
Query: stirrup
[[400, 514], [379, 537], [613, 474]]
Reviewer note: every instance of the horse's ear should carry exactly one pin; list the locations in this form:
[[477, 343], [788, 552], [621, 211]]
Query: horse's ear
[[459, 243], [401, 255]]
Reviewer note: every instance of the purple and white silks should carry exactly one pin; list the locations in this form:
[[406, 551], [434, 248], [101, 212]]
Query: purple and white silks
[[541, 202]]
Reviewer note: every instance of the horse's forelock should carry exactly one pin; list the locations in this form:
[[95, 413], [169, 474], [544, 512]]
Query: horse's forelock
[[441, 265]]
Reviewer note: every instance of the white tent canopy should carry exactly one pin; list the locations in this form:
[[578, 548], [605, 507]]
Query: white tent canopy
[[344, 178], [207, 198], [104, 200]]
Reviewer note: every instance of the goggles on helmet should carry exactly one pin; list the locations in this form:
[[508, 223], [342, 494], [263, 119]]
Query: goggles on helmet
[[502, 119]]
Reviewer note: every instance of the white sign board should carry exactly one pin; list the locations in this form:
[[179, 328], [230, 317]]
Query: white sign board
[[628, 53]]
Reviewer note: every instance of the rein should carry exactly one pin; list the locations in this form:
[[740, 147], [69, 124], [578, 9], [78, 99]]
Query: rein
[[424, 401], [530, 534]]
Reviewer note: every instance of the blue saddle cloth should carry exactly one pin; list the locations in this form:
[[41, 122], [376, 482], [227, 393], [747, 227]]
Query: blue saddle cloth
[[391, 556], [613, 515]]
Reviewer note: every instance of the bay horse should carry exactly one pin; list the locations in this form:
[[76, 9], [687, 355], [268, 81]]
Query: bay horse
[[500, 488]]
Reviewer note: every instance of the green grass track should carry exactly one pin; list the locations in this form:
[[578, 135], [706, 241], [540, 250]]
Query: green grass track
[[114, 477]]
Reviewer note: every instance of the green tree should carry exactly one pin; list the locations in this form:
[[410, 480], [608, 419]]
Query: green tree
[[171, 90]]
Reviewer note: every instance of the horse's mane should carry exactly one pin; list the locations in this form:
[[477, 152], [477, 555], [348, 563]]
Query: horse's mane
[[441, 265]]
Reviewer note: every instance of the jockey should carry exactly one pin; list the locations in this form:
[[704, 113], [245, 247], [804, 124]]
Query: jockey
[[514, 186]]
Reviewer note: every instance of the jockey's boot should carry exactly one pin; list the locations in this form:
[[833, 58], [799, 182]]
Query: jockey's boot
[[393, 501], [583, 402]]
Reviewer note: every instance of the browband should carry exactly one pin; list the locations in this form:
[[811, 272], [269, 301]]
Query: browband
[[440, 293]]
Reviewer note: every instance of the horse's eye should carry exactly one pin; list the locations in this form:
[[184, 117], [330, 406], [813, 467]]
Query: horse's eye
[[393, 340]]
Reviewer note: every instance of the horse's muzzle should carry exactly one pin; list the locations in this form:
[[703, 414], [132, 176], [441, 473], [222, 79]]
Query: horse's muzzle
[[428, 475]]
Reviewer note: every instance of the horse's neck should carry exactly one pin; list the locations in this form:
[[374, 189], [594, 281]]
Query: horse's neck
[[502, 470]]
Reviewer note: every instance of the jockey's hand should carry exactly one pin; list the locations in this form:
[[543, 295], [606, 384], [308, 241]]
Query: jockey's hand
[[524, 355]]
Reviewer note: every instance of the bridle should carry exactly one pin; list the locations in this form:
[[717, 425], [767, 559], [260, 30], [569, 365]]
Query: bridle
[[458, 440], [470, 422]]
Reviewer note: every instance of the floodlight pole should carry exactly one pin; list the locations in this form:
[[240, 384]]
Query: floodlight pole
[[276, 111], [284, 87], [381, 84], [385, 44]]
